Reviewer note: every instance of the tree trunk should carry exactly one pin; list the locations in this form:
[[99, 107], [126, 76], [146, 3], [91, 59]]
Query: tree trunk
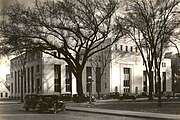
[[22, 100], [159, 88], [173, 80], [150, 85], [155, 83], [79, 87]]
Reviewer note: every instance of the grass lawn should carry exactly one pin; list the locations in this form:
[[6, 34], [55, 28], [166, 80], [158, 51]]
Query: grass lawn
[[169, 106]]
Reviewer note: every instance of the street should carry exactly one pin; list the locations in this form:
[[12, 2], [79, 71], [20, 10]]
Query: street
[[16, 112]]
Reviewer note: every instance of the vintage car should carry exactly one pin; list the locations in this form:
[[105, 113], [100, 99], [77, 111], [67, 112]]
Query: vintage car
[[50, 103], [142, 95], [127, 96], [114, 95], [30, 101], [66, 96], [85, 98], [111, 95]]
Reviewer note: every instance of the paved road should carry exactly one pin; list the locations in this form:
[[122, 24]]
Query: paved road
[[16, 112]]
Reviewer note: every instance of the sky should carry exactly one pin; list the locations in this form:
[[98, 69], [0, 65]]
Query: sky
[[4, 68], [5, 62]]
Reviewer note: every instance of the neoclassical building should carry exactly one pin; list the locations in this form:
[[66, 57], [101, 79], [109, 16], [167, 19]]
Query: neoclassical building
[[125, 73], [45, 74]]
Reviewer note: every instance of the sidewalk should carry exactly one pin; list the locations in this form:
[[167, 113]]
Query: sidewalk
[[125, 113], [84, 107], [9, 101]]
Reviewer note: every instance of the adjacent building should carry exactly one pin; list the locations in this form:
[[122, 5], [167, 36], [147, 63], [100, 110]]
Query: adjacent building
[[128, 73]]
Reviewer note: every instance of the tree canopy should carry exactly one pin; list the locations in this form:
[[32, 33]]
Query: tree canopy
[[75, 28], [151, 24]]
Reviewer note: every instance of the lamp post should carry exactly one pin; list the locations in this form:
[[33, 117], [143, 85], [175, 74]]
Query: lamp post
[[90, 88]]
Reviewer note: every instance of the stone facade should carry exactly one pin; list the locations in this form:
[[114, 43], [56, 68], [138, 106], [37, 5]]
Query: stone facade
[[45, 74]]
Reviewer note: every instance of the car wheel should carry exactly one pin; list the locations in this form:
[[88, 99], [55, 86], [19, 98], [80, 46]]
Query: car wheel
[[63, 107], [55, 108]]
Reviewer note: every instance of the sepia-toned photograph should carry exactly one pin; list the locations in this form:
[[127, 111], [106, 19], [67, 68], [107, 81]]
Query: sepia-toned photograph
[[89, 59]]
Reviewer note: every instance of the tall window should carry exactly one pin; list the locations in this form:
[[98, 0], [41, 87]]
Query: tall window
[[32, 79], [57, 78], [136, 49], [126, 80], [18, 81], [28, 79], [121, 47], [37, 68], [1, 94], [98, 79], [88, 73], [12, 88], [144, 81], [163, 64], [15, 82], [68, 79], [6, 95], [126, 48], [115, 46], [38, 85], [131, 48], [164, 81], [25, 81]]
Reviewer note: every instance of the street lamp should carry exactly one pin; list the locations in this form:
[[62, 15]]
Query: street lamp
[[90, 88]]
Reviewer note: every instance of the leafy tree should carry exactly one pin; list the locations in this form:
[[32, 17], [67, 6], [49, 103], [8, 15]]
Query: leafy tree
[[100, 63], [150, 24], [74, 28]]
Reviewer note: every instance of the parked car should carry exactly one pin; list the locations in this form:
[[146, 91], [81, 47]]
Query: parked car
[[114, 95], [168, 94], [127, 96], [142, 95], [85, 98], [30, 101], [177, 94], [50, 103], [111, 95], [66, 96]]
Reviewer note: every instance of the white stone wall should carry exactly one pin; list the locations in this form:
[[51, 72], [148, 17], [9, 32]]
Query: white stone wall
[[126, 55]]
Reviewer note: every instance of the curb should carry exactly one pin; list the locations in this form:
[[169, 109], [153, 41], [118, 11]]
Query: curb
[[1, 103], [159, 116]]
